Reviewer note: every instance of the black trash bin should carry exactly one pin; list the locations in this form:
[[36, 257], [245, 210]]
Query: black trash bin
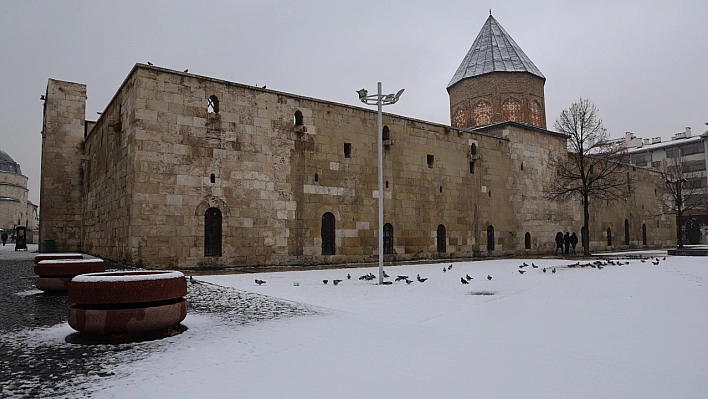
[[49, 245]]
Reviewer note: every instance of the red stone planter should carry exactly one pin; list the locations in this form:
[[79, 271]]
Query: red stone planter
[[127, 302], [54, 275], [42, 257]]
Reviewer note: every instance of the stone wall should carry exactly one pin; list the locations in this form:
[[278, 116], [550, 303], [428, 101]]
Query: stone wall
[[13, 200]]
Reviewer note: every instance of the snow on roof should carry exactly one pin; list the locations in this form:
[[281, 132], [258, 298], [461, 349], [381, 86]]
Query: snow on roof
[[665, 144]]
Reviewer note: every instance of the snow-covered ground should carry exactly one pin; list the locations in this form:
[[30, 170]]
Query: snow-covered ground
[[630, 331]]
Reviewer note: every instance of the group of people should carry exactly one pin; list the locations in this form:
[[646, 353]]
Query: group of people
[[564, 242]]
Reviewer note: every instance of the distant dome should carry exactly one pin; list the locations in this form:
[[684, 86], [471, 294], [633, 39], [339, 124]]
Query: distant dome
[[7, 164]]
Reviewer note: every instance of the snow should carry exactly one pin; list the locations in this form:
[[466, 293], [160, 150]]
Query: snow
[[126, 276], [635, 330], [70, 261]]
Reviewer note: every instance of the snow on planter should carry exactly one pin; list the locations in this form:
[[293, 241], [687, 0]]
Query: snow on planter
[[52, 256], [127, 302], [54, 275]]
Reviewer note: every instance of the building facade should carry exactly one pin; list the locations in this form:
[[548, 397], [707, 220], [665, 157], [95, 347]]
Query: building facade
[[185, 171], [15, 208]]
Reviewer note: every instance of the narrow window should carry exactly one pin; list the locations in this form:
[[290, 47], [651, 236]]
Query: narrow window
[[471, 168], [626, 232], [347, 150], [213, 106], [431, 160], [386, 183], [609, 237], [212, 232], [527, 240], [328, 234], [441, 189], [317, 177], [442, 247], [473, 149], [388, 238], [213, 178], [385, 134], [644, 234], [298, 118], [490, 238]]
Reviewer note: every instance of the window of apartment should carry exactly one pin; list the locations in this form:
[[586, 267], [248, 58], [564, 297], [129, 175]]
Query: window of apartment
[[640, 160], [694, 149], [672, 152], [694, 166], [347, 150], [431, 161]]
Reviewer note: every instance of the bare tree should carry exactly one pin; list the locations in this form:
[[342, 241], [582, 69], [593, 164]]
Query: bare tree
[[592, 168], [681, 189]]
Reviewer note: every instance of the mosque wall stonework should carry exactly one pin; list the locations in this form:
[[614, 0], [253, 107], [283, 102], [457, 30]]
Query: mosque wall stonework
[[145, 172]]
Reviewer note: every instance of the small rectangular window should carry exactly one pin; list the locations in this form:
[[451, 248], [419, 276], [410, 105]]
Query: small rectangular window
[[431, 161], [347, 150]]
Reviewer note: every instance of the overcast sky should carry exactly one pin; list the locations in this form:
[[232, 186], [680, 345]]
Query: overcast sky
[[643, 63]]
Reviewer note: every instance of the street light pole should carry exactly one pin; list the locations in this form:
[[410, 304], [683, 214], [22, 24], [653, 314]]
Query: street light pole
[[679, 204], [380, 100]]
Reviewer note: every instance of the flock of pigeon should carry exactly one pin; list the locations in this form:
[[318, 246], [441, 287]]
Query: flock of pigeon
[[598, 264]]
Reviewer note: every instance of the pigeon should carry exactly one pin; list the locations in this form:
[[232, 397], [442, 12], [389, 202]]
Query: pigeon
[[149, 63], [534, 266], [554, 270], [599, 268], [643, 261], [408, 281], [489, 277], [664, 258], [422, 280], [336, 281], [191, 279], [399, 278], [363, 277], [522, 271], [349, 276], [259, 282], [387, 283], [263, 87], [444, 270], [325, 281], [463, 280], [467, 276], [186, 70], [522, 266], [385, 275], [525, 264], [449, 267], [544, 269]]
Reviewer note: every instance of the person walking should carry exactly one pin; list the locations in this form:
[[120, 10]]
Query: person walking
[[4, 238], [559, 243], [566, 242], [573, 241]]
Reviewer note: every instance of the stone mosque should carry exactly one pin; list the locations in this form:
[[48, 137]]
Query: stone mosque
[[189, 171], [15, 208]]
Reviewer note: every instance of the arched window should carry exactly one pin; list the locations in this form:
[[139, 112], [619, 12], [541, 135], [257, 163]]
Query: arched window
[[482, 113], [609, 237], [626, 232], [490, 238], [385, 133], [527, 241], [212, 232], [442, 246], [298, 118], [213, 106], [388, 238], [512, 110], [473, 149], [644, 234], [536, 114], [328, 234]]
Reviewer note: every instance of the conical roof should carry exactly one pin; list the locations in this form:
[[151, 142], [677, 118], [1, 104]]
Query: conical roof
[[494, 51]]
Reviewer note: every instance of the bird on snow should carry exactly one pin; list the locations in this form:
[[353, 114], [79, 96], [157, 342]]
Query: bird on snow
[[349, 276], [522, 266], [408, 281], [522, 271], [643, 261], [259, 282], [444, 269], [191, 279], [534, 266], [449, 267], [544, 269], [336, 281], [554, 270], [422, 280], [664, 258], [489, 277], [463, 280], [325, 281], [467, 276], [363, 277], [387, 283], [525, 264], [385, 275], [399, 278], [186, 70], [149, 63], [599, 267], [263, 87]]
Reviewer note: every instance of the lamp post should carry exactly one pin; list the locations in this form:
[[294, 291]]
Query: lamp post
[[380, 100], [679, 204]]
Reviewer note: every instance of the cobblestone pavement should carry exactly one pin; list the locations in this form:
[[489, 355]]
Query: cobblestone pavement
[[33, 366]]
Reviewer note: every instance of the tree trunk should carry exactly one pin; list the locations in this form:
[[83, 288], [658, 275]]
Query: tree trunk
[[586, 222]]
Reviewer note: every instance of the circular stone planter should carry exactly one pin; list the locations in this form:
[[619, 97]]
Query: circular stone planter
[[55, 275], [127, 302], [41, 257]]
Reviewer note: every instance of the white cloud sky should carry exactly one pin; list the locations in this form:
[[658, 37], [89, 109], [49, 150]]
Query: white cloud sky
[[643, 63]]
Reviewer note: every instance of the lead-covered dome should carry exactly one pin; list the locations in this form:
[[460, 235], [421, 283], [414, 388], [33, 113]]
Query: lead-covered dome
[[7, 164]]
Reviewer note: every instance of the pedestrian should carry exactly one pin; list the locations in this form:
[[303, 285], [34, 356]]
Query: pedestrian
[[4, 238], [559, 243], [13, 238], [566, 242], [573, 241]]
